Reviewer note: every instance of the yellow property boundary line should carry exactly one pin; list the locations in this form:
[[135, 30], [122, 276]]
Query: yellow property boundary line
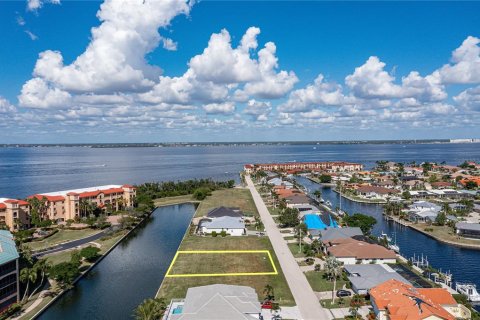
[[168, 275]]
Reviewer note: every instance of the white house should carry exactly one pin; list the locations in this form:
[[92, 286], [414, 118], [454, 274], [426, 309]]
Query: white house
[[231, 225]]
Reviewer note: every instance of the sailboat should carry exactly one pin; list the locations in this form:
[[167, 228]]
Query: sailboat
[[394, 245]]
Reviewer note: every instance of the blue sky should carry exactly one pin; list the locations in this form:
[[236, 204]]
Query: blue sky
[[198, 96]]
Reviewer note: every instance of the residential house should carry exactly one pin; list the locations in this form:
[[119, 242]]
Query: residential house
[[394, 299], [352, 251], [468, 230], [9, 271], [297, 199], [15, 214], [340, 233], [423, 211], [280, 182], [364, 277], [373, 192], [230, 220], [441, 185], [217, 301]]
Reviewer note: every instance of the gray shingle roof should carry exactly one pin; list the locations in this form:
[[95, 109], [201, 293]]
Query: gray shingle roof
[[468, 226], [220, 301], [225, 212], [224, 223], [367, 276], [340, 233]]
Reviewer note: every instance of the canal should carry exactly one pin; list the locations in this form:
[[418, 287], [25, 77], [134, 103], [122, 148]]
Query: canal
[[131, 272], [464, 264]]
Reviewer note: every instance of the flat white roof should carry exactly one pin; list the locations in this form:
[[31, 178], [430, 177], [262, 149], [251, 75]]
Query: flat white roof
[[64, 192]]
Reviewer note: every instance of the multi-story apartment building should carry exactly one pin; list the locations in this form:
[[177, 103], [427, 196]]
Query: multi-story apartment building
[[71, 204], [334, 166], [9, 282], [15, 214]]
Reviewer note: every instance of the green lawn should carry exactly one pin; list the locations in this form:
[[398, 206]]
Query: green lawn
[[174, 200], [105, 245], [60, 237], [294, 247], [177, 287], [339, 303], [218, 263], [318, 281], [240, 198]]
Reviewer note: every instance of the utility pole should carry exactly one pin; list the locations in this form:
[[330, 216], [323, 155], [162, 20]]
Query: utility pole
[[300, 251]]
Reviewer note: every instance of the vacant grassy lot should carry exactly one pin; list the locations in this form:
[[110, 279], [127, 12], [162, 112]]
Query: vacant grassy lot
[[221, 262], [240, 198], [318, 281], [445, 233], [174, 200], [177, 287], [60, 237]]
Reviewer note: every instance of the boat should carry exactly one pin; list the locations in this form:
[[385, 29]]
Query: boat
[[328, 203], [394, 247], [385, 236], [468, 289]]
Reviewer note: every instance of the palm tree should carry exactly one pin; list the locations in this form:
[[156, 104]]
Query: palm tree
[[42, 267], [269, 292], [150, 309], [355, 304], [333, 270], [28, 275], [317, 194]]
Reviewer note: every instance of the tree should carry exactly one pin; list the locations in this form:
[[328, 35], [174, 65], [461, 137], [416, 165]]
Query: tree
[[364, 222], [28, 275], [441, 218], [269, 292], [317, 193], [201, 193], [471, 185], [90, 253], [64, 272], [41, 266], [259, 224], [355, 304], [325, 178], [289, 217], [333, 270], [406, 195], [150, 309]]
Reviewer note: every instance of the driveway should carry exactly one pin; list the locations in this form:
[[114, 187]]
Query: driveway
[[71, 244], [305, 298]]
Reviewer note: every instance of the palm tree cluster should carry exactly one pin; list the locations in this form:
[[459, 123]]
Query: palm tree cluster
[[150, 309], [29, 275], [333, 270]]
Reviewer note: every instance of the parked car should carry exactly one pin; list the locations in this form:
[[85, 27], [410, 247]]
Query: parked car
[[343, 293]]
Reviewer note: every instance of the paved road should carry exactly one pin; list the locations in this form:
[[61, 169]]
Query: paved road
[[71, 244], [305, 298]]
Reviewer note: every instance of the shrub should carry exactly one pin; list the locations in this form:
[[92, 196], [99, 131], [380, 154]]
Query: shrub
[[223, 233], [14, 308], [64, 272], [317, 267], [90, 253], [214, 234]]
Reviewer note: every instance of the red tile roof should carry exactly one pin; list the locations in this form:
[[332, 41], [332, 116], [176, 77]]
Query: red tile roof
[[49, 198], [404, 302]]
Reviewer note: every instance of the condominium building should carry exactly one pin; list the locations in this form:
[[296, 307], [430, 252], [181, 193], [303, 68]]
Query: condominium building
[[15, 214], [334, 166], [9, 284], [71, 204]]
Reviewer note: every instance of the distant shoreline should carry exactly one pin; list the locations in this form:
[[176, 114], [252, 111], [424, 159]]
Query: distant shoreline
[[233, 144]]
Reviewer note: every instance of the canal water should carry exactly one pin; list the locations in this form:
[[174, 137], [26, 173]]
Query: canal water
[[464, 264], [132, 272]]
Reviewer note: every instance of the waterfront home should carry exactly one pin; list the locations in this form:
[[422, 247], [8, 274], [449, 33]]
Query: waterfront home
[[394, 299], [9, 271], [421, 194], [468, 230], [231, 225], [297, 199], [364, 277], [385, 184], [217, 301], [15, 214], [279, 182], [67, 204], [230, 220], [423, 212], [340, 233], [449, 194], [373, 192], [352, 251]]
